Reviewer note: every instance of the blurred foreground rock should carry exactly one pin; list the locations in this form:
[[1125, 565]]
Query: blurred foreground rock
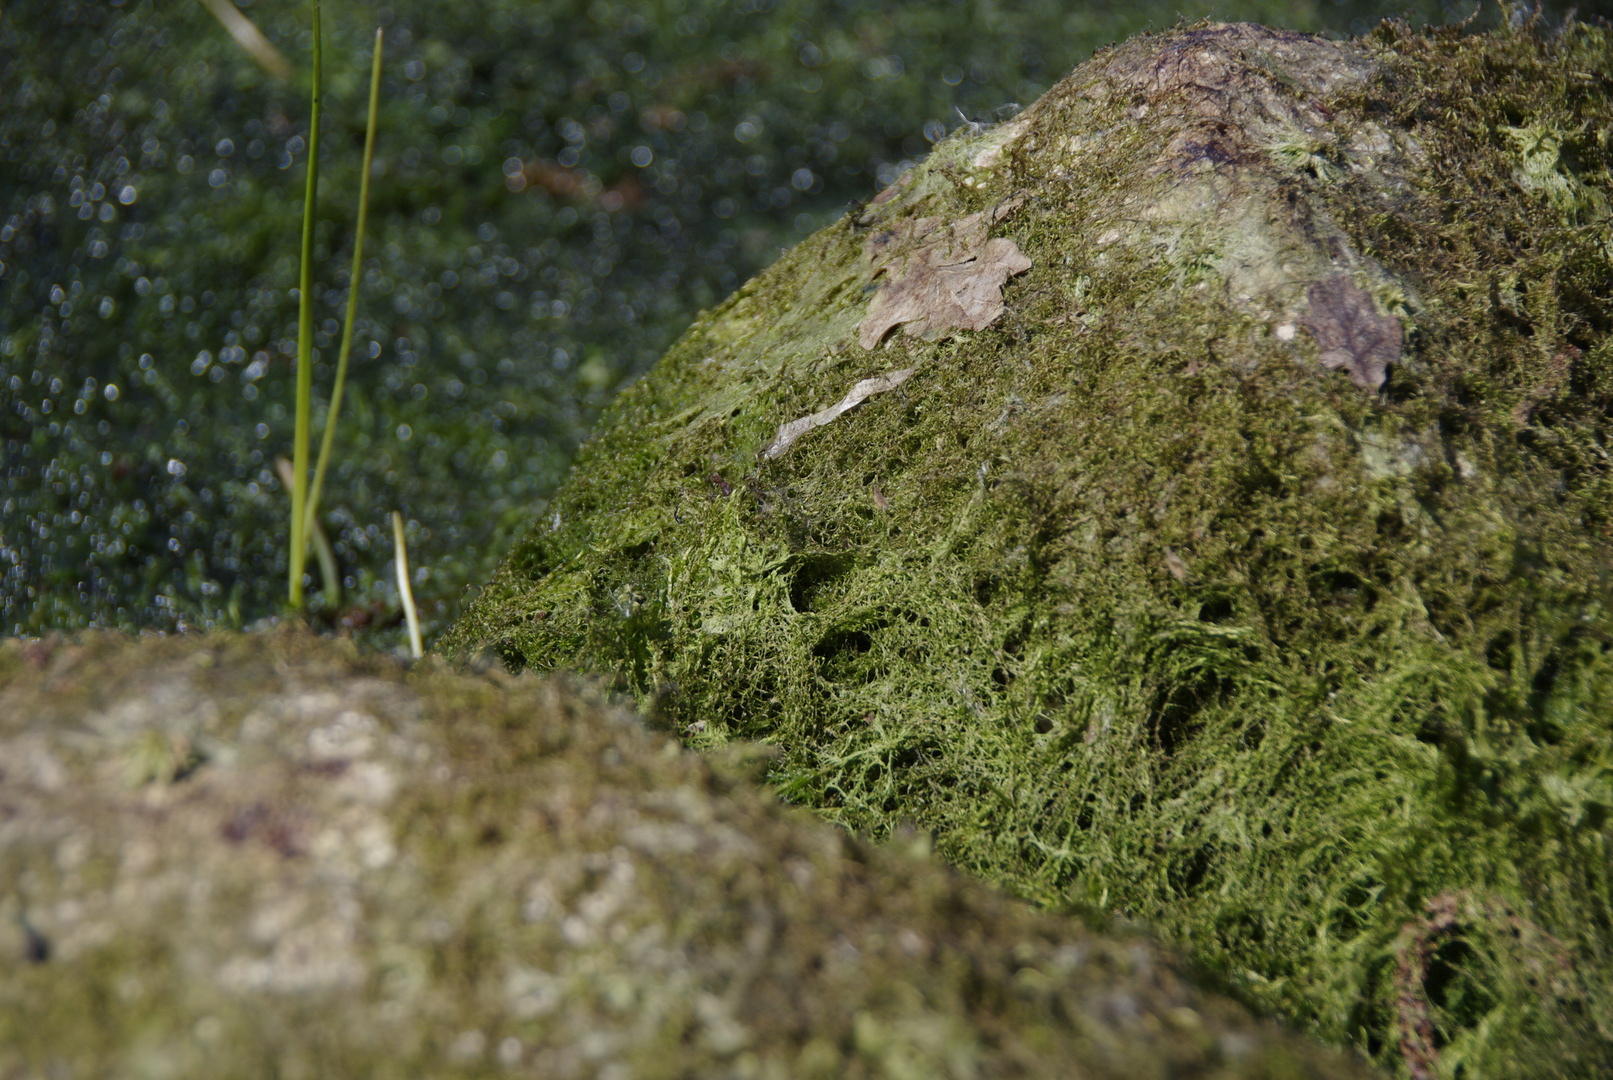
[[243, 856]]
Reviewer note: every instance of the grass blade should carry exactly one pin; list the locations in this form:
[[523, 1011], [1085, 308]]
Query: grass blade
[[401, 557], [330, 578], [249, 37], [305, 344], [352, 285]]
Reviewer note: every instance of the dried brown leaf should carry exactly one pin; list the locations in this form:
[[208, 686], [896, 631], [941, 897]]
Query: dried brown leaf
[[1349, 331], [951, 281]]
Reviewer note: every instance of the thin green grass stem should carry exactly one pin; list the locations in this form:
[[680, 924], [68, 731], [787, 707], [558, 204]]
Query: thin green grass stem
[[352, 286], [330, 579], [305, 343]]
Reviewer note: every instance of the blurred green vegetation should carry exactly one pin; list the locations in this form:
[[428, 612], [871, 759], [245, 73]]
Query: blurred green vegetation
[[558, 189]]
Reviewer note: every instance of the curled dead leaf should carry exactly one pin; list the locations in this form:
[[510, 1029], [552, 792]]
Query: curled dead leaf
[[788, 433]]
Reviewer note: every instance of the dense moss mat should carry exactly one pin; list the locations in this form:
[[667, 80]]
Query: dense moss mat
[[1129, 598], [274, 856]]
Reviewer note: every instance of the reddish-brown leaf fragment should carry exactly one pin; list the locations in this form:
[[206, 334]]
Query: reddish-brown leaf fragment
[[1349, 331]]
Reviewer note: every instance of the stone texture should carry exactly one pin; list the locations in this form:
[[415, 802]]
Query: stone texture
[[270, 856]]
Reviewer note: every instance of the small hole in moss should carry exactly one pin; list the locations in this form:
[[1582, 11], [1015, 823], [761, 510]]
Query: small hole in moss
[[1176, 713], [509, 653], [1498, 653], [853, 642], [812, 576], [1337, 585], [1546, 677], [1451, 985], [986, 587], [1085, 817], [1434, 734], [1189, 877]]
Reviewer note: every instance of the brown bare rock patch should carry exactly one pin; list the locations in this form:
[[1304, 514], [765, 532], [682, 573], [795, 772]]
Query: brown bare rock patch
[[1349, 333]]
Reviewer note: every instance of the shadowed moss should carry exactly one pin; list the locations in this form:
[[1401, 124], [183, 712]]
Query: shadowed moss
[[1128, 597], [362, 871]]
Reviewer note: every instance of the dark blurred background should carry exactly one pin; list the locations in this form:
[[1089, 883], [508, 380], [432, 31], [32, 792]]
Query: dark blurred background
[[558, 189]]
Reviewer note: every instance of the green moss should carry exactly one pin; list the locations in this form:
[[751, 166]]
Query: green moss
[[1128, 598]]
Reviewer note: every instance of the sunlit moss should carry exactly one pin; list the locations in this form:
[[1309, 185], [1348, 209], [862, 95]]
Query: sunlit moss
[[1128, 597]]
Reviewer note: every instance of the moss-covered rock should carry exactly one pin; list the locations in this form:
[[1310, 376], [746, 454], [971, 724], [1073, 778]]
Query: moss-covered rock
[[1248, 575], [242, 856]]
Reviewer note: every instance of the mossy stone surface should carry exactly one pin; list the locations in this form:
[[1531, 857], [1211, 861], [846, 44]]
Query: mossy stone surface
[[244, 856], [1149, 595]]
